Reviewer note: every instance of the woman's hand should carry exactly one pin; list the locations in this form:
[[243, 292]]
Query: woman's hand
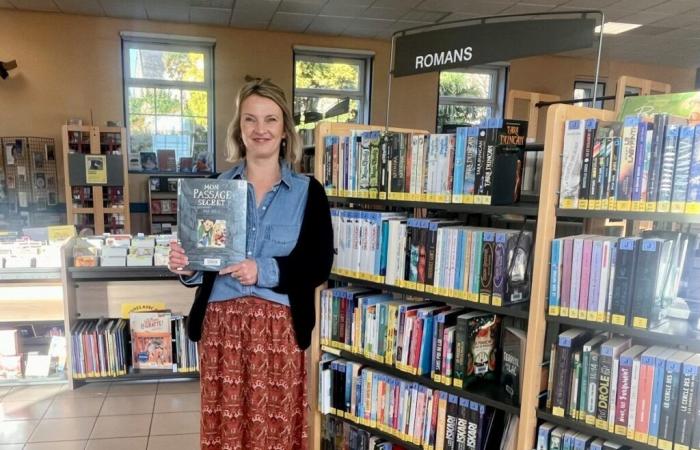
[[177, 260], [246, 272]]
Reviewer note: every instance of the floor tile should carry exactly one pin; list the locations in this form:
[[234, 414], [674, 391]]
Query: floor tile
[[179, 442], [132, 443], [122, 389], [178, 387], [121, 406], [121, 426], [11, 447], [177, 402], [87, 390], [16, 431], [71, 429], [62, 445], [63, 407], [24, 410], [175, 423], [4, 390], [23, 393]]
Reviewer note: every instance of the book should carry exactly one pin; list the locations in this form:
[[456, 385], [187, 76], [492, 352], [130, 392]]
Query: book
[[693, 195], [591, 126], [667, 166], [686, 421], [571, 164], [681, 171], [649, 308], [658, 395], [624, 388], [151, 340], [167, 161], [212, 222], [585, 384], [670, 403], [607, 381], [483, 343], [624, 279], [513, 359], [626, 163], [568, 342]]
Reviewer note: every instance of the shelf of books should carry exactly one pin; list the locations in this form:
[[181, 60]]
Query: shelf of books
[[126, 311], [344, 432], [434, 303], [624, 309]]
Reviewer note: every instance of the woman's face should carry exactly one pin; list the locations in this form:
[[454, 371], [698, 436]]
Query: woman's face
[[262, 127]]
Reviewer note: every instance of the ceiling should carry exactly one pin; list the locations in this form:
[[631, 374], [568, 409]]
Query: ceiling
[[670, 32]]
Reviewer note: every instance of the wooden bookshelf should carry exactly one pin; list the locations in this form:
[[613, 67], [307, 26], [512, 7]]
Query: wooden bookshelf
[[97, 211]]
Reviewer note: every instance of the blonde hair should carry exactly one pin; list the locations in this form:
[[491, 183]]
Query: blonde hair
[[290, 152]]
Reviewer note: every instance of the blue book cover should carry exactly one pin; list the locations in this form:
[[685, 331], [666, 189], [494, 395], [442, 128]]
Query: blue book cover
[[568, 440], [426, 346], [639, 158], [470, 164], [681, 172], [384, 244], [594, 284], [458, 172], [555, 271], [693, 199], [459, 264], [349, 368], [477, 243], [668, 162], [373, 399], [657, 395]]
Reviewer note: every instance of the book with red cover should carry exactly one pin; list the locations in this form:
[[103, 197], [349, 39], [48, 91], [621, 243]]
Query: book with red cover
[[166, 160], [151, 340]]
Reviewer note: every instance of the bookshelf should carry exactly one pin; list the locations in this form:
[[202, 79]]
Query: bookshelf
[[162, 204], [96, 199]]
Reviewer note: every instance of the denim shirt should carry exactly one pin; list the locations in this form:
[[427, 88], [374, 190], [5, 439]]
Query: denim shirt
[[272, 230]]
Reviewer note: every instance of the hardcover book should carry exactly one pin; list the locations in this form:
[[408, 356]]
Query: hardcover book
[[212, 222], [151, 340], [513, 360], [571, 164]]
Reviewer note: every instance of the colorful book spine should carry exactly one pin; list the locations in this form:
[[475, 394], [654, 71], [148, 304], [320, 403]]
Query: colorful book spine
[[555, 271], [591, 126], [566, 277], [668, 162], [592, 390], [571, 164], [623, 284], [682, 170], [655, 161], [657, 396], [585, 279], [500, 268], [576, 265], [639, 160], [459, 165], [624, 389], [670, 403], [487, 265], [594, 285], [626, 163], [470, 161], [687, 404]]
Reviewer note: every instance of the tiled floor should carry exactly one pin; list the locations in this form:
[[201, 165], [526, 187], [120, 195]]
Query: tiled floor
[[101, 416]]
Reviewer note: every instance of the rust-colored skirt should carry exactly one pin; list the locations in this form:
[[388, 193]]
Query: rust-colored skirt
[[253, 378]]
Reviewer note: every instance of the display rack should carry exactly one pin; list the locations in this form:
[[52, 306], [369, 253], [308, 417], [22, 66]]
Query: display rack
[[162, 204], [99, 202]]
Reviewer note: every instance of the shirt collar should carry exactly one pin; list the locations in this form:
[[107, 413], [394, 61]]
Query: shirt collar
[[238, 172]]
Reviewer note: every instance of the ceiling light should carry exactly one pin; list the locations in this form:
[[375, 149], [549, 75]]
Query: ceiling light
[[617, 27]]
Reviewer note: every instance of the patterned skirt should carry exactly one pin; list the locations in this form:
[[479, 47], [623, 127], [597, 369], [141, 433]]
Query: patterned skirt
[[253, 378]]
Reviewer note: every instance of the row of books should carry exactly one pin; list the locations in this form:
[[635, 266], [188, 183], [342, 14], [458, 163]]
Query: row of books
[[439, 256], [626, 281], [163, 206], [453, 346], [645, 394], [444, 168], [409, 411], [338, 434], [117, 250], [551, 437], [647, 164], [148, 340]]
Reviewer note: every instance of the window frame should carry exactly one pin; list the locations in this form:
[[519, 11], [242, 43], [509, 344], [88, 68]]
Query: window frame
[[587, 84], [177, 44], [497, 96], [326, 55]]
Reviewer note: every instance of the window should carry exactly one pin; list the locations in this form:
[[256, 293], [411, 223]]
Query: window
[[168, 103], [584, 89], [467, 96], [331, 86]]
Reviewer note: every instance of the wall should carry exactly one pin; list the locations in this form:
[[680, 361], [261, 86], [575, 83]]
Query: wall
[[70, 66]]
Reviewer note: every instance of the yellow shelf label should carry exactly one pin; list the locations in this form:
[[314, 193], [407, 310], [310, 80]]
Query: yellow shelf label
[[553, 310], [678, 208], [617, 319], [591, 316], [582, 203], [640, 322], [692, 208], [559, 412]]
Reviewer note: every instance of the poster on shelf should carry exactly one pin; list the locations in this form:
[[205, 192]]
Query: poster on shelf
[[96, 169], [681, 104]]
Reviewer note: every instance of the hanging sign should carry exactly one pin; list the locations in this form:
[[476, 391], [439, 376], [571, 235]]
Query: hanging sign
[[469, 45]]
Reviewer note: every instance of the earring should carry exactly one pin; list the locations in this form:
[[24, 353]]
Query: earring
[[283, 147]]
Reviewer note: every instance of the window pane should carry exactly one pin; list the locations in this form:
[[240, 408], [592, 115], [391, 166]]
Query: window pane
[[462, 84], [141, 131], [164, 65], [462, 114], [168, 101], [168, 125], [344, 76], [142, 100], [335, 109], [194, 103]]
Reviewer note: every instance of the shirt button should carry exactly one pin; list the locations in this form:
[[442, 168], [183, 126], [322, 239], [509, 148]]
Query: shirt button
[[250, 253], [253, 228], [264, 207]]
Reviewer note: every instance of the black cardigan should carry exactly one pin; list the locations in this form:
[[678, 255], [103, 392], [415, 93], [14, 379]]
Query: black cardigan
[[304, 269]]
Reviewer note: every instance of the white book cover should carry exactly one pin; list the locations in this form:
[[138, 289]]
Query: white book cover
[[420, 187], [391, 250], [603, 290], [401, 266], [576, 276], [634, 394], [415, 163], [438, 269], [453, 257], [571, 163]]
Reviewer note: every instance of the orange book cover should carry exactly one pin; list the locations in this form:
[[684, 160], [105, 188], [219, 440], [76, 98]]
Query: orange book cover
[[151, 340]]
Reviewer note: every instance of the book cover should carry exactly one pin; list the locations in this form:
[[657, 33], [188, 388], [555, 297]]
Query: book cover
[[568, 342], [682, 170], [570, 182], [212, 222], [514, 341], [693, 196], [658, 395], [483, 343], [687, 403], [640, 162], [519, 267], [670, 402], [591, 127], [609, 353], [668, 160], [624, 279], [151, 340], [586, 350], [644, 393], [462, 424], [649, 308], [487, 261], [555, 271], [624, 388], [470, 161], [626, 163], [167, 161]]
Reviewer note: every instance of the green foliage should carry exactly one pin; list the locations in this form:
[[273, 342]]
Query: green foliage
[[335, 76], [462, 84]]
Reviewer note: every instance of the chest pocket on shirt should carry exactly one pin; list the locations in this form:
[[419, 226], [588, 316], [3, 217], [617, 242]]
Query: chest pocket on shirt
[[280, 239]]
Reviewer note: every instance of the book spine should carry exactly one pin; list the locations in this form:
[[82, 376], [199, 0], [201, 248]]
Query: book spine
[[593, 185], [480, 163], [668, 160], [656, 400], [639, 160], [583, 383], [562, 379], [571, 164], [604, 387], [623, 286], [646, 382], [626, 164], [646, 279], [576, 265], [612, 407], [655, 161], [693, 197], [566, 277], [634, 398], [669, 404], [687, 405], [682, 169], [595, 275], [470, 164], [624, 387], [477, 253], [460, 357], [472, 433], [487, 262], [592, 390], [612, 177], [492, 141], [462, 424], [500, 269], [458, 176], [555, 271], [586, 161], [575, 385], [451, 422], [585, 278]]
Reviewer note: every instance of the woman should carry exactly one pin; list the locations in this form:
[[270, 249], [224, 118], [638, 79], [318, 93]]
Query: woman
[[255, 317]]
